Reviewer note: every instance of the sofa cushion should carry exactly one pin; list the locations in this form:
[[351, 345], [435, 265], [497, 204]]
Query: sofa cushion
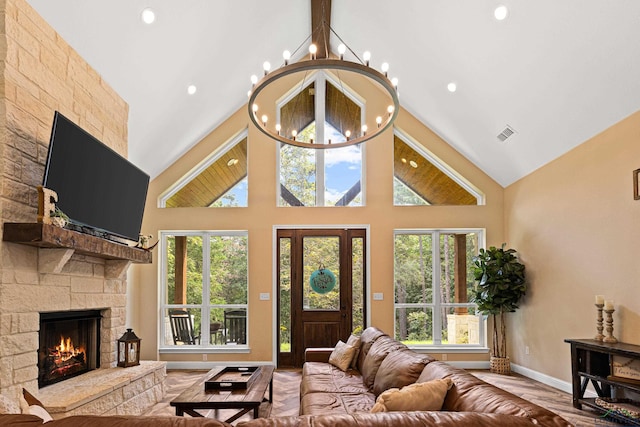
[[398, 369], [385, 419], [354, 341], [471, 394], [368, 337], [318, 377], [342, 355], [427, 396], [376, 354], [336, 403]]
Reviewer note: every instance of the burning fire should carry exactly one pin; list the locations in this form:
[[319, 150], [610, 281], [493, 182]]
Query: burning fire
[[66, 350]]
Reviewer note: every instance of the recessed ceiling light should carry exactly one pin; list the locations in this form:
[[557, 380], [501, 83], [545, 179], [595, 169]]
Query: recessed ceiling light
[[501, 12], [413, 164], [191, 89], [452, 87], [232, 162], [148, 16]]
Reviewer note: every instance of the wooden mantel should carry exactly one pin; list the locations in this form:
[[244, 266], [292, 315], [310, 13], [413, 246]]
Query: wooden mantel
[[51, 236]]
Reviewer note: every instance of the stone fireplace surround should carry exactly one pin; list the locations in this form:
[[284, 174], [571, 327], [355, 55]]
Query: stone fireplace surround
[[40, 73]]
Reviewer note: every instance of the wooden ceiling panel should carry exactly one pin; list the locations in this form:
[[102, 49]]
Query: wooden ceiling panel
[[212, 183], [426, 179]]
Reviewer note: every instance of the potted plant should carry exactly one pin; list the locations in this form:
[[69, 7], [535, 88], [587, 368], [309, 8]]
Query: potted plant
[[59, 218], [500, 283]]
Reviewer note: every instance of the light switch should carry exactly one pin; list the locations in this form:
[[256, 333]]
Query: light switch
[[378, 296], [264, 296]]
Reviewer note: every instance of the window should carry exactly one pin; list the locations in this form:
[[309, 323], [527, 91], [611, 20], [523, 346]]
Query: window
[[204, 289], [419, 178], [311, 177], [218, 181], [432, 278]]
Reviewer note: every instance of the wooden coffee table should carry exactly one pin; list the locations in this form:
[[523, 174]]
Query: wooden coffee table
[[196, 397]]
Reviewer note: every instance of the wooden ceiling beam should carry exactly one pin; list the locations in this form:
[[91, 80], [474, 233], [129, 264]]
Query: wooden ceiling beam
[[320, 24]]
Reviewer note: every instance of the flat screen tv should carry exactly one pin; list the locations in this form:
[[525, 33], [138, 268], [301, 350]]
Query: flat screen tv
[[101, 192]]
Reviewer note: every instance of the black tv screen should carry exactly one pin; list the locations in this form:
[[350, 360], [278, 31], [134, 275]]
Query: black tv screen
[[97, 188]]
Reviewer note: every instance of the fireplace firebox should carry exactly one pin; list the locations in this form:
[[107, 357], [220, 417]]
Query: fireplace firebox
[[69, 345]]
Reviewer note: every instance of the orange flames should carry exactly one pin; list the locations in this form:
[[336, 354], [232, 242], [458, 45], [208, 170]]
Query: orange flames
[[66, 350]]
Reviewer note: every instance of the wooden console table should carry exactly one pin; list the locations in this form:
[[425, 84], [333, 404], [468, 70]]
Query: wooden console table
[[591, 362]]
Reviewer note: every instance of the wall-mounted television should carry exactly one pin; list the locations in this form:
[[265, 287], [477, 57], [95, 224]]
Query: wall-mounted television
[[102, 192]]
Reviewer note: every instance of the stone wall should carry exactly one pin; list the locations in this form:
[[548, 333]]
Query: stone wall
[[41, 73]]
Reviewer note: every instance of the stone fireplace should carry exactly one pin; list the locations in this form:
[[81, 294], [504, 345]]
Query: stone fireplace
[[40, 73]]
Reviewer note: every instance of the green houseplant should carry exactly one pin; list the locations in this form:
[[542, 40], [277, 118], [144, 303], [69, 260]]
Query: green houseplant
[[500, 283]]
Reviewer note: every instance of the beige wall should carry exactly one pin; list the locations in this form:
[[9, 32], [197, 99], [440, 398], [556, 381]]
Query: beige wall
[[262, 214], [577, 228]]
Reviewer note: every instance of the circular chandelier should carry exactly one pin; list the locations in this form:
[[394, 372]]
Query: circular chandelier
[[383, 120]]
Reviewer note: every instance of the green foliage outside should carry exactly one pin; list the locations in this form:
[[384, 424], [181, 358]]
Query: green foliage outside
[[415, 281], [227, 276]]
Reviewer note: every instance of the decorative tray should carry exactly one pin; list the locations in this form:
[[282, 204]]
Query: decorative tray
[[625, 407], [233, 378]]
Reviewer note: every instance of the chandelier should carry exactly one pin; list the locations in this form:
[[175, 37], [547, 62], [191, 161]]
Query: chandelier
[[335, 64]]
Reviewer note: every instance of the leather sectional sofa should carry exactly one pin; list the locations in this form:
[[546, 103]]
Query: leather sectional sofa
[[331, 397]]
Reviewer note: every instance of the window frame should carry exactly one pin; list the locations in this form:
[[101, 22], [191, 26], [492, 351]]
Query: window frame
[[320, 79], [436, 305], [205, 307]]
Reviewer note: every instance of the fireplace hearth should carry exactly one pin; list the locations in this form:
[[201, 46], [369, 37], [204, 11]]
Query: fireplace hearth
[[68, 346]]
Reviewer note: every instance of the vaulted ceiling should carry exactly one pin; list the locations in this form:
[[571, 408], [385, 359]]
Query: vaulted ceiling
[[556, 72]]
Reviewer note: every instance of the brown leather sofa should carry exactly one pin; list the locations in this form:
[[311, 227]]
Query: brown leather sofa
[[330, 397], [384, 363]]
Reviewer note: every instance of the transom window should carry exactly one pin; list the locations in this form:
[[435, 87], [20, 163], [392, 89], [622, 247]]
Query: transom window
[[432, 278], [331, 177], [204, 292]]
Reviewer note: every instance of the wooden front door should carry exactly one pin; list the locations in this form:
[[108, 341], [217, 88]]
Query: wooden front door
[[321, 284]]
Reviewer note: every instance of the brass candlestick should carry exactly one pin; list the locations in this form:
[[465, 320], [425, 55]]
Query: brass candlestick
[[599, 328], [609, 338]]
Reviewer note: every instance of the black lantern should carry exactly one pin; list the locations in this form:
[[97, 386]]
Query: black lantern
[[128, 349]]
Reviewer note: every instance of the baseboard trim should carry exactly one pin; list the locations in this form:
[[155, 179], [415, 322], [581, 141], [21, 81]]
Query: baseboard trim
[[467, 364], [548, 380]]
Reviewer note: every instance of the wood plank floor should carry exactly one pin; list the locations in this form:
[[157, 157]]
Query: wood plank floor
[[286, 385]]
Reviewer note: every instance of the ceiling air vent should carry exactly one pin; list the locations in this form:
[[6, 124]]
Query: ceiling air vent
[[506, 133]]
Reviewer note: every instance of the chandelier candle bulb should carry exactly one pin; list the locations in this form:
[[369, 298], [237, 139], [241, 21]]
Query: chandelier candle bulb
[[341, 50], [313, 49], [378, 121], [266, 66], [385, 69], [264, 119], [367, 57], [287, 56]]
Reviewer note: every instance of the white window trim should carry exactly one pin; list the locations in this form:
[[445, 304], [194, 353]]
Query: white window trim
[[204, 346], [443, 348], [441, 165], [200, 167]]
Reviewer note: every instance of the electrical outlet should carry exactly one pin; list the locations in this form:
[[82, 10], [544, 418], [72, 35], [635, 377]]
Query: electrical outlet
[[264, 296], [444, 356], [204, 357], [378, 296], [526, 349]]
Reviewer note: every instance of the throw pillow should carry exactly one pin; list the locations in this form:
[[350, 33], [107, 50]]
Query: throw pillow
[[342, 355], [354, 341], [398, 369], [40, 412], [8, 406], [427, 396]]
